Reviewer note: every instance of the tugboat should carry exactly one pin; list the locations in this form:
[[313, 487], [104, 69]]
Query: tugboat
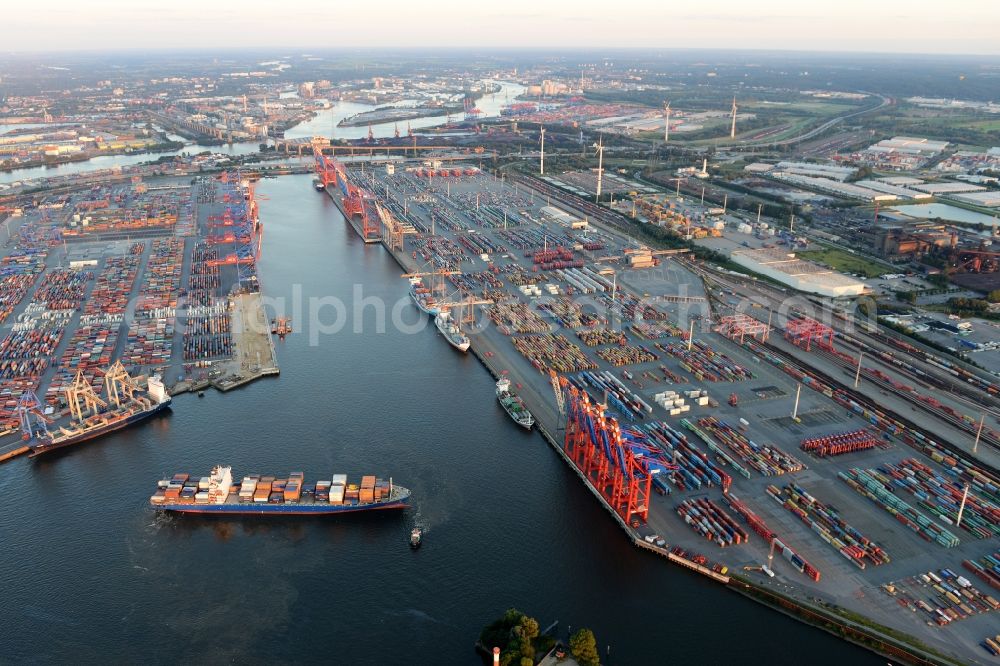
[[318, 185], [415, 537], [281, 327], [513, 405]]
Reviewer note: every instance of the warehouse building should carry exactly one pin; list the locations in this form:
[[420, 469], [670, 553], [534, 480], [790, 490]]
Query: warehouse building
[[798, 274]]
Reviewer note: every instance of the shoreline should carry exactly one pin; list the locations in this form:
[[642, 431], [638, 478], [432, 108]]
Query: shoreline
[[165, 147], [805, 612], [373, 118]]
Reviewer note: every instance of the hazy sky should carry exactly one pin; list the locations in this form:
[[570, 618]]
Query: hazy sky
[[913, 26]]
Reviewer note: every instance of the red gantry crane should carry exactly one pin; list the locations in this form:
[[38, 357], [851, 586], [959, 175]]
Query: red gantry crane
[[616, 462], [803, 332]]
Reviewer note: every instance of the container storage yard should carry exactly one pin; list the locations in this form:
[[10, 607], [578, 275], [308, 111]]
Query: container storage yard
[[682, 423], [79, 293]]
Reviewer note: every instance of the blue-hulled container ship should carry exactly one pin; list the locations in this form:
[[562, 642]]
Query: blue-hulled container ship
[[259, 495]]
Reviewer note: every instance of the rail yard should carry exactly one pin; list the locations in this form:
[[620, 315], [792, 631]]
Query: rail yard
[[850, 454]]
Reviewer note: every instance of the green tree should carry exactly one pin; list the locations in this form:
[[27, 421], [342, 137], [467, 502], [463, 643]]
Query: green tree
[[529, 627], [512, 617], [527, 661], [993, 296], [584, 648]]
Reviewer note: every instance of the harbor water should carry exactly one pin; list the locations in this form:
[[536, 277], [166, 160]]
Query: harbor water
[[90, 573], [323, 124]]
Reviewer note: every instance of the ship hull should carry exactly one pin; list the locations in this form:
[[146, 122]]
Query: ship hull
[[99, 432], [280, 509], [526, 424], [423, 308], [462, 346]]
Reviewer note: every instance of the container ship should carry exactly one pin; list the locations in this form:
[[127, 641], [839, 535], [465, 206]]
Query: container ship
[[451, 332], [423, 298], [92, 416], [260, 495], [513, 405]]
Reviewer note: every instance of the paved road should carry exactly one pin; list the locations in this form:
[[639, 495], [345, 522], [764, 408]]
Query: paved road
[[886, 101]]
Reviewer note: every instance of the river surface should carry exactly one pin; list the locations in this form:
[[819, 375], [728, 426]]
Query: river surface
[[323, 124], [90, 574]]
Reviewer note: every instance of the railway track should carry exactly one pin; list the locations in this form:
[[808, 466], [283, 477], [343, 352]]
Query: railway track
[[989, 437], [868, 404]]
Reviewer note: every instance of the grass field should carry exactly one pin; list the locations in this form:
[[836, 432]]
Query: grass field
[[984, 125], [844, 261]]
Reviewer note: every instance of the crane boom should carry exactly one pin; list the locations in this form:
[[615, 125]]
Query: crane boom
[[557, 389]]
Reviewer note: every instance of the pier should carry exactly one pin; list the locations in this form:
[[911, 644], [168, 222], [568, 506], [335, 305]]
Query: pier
[[478, 220]]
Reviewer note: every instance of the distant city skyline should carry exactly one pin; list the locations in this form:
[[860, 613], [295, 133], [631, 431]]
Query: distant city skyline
[[893, 26]]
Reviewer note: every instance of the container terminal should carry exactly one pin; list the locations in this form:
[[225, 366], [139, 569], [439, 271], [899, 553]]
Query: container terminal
[[756, 446], [670, 422], [116, 296]]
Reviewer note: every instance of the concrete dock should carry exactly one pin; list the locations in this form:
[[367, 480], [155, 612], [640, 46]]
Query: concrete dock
[[765, 401]]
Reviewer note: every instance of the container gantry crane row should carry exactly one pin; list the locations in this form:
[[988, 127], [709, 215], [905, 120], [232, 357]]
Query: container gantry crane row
[[618, 463]]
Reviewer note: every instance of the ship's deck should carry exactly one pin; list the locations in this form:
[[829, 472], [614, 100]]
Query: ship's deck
[[399, 494]]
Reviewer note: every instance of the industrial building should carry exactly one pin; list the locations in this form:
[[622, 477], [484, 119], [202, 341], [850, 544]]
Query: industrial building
[[907, 240], [990, 199], [909, 144], [797, 273], [889, 188], [947, 187], [834, 187]]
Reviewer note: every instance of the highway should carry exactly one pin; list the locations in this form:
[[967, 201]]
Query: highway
[[816, 131]]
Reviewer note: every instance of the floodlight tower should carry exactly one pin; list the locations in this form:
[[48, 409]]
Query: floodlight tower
[[666, 122], [599, 146], [541, 157], [732, 129]]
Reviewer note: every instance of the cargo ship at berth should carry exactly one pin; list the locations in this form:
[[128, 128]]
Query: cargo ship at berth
[[125, 404], [451, 331], [513, 405], [423, 298], [258, 495]]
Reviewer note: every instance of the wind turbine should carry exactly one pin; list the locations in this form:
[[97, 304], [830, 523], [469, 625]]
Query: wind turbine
[[600, 164]]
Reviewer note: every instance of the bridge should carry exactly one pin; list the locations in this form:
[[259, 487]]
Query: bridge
[[306, 146]]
